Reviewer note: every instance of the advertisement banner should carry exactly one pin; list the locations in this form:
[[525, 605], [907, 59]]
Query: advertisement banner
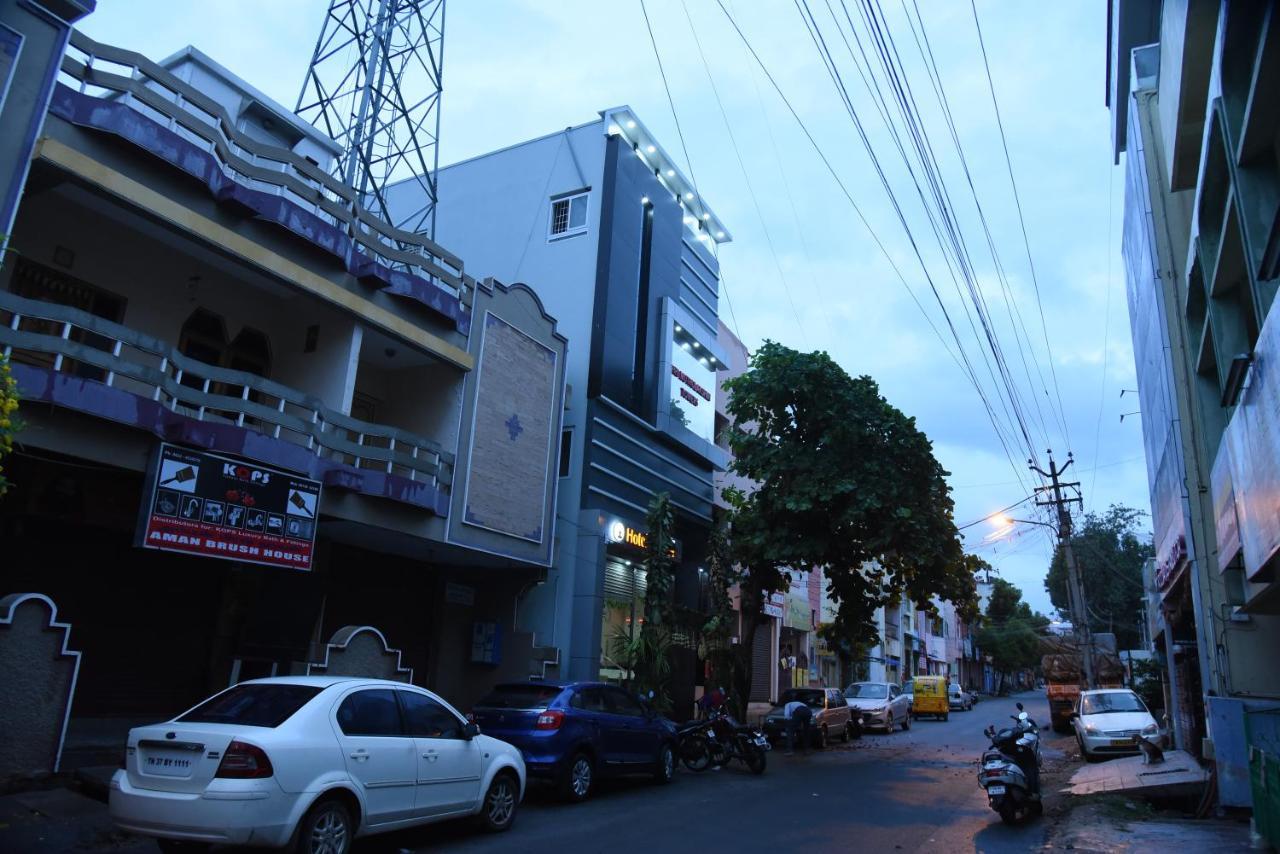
[[214, 506]]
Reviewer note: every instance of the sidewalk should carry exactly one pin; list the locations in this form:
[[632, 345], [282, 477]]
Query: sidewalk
[[61, 820], [1112, 824]]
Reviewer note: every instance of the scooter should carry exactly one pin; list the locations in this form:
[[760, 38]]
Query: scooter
[[1010, 770]]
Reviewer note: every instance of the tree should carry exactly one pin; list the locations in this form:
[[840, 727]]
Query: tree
[[1110, 554], [8, 416], [845, 482], [645, 656], [1010, 631]]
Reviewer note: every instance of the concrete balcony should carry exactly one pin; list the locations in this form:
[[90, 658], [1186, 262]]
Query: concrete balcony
[[76, 360]]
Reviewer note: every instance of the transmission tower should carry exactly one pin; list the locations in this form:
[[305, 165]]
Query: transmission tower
[[374, 86]]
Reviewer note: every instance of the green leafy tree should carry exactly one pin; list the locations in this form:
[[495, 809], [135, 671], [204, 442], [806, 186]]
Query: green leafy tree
[[9, 423], [845, 482], [1010, 631], [645, 656], [1110, 551]]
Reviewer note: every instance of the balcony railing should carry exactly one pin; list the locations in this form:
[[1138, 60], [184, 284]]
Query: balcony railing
[[70, 341], [147, 87]]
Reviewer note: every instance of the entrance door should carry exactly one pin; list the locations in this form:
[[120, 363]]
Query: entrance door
[[448, 765], [379, 756]]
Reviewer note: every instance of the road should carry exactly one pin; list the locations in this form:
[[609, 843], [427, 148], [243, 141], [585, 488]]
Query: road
[[909, 791]]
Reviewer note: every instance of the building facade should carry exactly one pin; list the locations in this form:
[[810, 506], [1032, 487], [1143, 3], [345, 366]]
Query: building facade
[[1192, 92], [263, 431], [619, 245]]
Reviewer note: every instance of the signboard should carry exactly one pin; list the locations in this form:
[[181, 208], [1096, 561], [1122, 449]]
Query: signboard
[[693, 383], [1224, 508], [620, 533], [799, 614], [1253, 439], [215, 506]]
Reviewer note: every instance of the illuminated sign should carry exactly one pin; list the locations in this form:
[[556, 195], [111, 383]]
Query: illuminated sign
[[620, 533], [1171, 561]]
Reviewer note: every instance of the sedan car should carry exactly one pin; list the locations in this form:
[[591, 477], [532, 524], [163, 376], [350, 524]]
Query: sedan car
[[958, 698], [572, 733], [832, 717], [1107, 720], [313, 762], [880, 704]]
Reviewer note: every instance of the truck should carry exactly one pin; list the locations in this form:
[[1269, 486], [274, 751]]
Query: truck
[[1063, 667]]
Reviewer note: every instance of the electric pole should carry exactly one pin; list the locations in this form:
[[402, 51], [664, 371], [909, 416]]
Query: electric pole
[[1075, 592]]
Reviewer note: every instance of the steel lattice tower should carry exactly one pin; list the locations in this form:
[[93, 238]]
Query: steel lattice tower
[[374, 86]]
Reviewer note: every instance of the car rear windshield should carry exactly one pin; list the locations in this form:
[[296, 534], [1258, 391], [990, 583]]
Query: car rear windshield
[[808, 696], [520, 697], [867, 691], [252, 705]]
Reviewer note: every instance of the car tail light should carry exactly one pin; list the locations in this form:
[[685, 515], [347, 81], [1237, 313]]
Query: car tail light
[[244, 761], [993, 773], [550, 719]]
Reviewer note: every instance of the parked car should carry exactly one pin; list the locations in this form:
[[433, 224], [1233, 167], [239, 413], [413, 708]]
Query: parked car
[[930, 697], [573, 733], [880, 704], [832, 717], [1106, 721], [909, 688], [958, 698], [311, 761]]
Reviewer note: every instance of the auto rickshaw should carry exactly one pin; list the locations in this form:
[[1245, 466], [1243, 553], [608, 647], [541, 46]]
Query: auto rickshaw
[[930, 697]]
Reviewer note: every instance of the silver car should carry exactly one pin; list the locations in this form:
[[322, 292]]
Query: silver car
[[881, 704]]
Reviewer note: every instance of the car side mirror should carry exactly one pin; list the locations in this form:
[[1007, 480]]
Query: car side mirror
[[471, 730]]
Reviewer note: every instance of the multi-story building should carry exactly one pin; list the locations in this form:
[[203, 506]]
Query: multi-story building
[[263, 431], [620, 246], [1193, 90]]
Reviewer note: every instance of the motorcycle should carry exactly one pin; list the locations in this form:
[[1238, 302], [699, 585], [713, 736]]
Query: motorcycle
[[719, 740], [1010, 769]]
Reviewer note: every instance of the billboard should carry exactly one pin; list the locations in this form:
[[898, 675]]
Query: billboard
[[216, 506]]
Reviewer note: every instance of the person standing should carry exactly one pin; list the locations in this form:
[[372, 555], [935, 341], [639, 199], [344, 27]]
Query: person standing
[[798, 717]]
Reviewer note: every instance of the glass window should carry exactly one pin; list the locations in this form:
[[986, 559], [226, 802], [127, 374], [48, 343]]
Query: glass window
[[425, 718], [619, 702], [568, 215], [809, 696], [589, 700], [372, 712], [252, 705], [520, 696], [1119, 701]]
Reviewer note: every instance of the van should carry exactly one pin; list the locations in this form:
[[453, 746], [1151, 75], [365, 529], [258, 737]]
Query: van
[[930, 697]]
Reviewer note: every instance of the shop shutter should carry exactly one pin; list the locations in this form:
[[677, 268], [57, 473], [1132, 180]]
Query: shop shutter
[[623, 582], [761, 662]]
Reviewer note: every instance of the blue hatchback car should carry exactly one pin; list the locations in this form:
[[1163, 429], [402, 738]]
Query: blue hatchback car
[[574, 733]]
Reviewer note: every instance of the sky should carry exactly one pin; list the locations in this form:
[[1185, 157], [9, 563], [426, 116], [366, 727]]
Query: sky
[[803, 268]]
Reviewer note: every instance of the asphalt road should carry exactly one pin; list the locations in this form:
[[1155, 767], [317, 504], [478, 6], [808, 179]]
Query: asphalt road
[[908, 791]]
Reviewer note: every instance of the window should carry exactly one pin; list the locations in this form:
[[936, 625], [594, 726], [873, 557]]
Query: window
[[589, 700], [568, 215], [566, 452], [619, 702], [867, 691], [372, 712], [520, 696], [1112, 701], [426, 718], [252, 705]]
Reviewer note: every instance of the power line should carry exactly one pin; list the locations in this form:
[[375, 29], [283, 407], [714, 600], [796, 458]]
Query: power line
[[693, 178], [1026, 241]]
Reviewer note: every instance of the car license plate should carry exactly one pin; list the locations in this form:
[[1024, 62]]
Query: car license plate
[[171, 765], [1122, 742], [995, 790]]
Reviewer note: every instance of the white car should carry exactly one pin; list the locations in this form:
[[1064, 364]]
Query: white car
[[880, 704], [311, 763], [958, 698], [1106, 721]]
